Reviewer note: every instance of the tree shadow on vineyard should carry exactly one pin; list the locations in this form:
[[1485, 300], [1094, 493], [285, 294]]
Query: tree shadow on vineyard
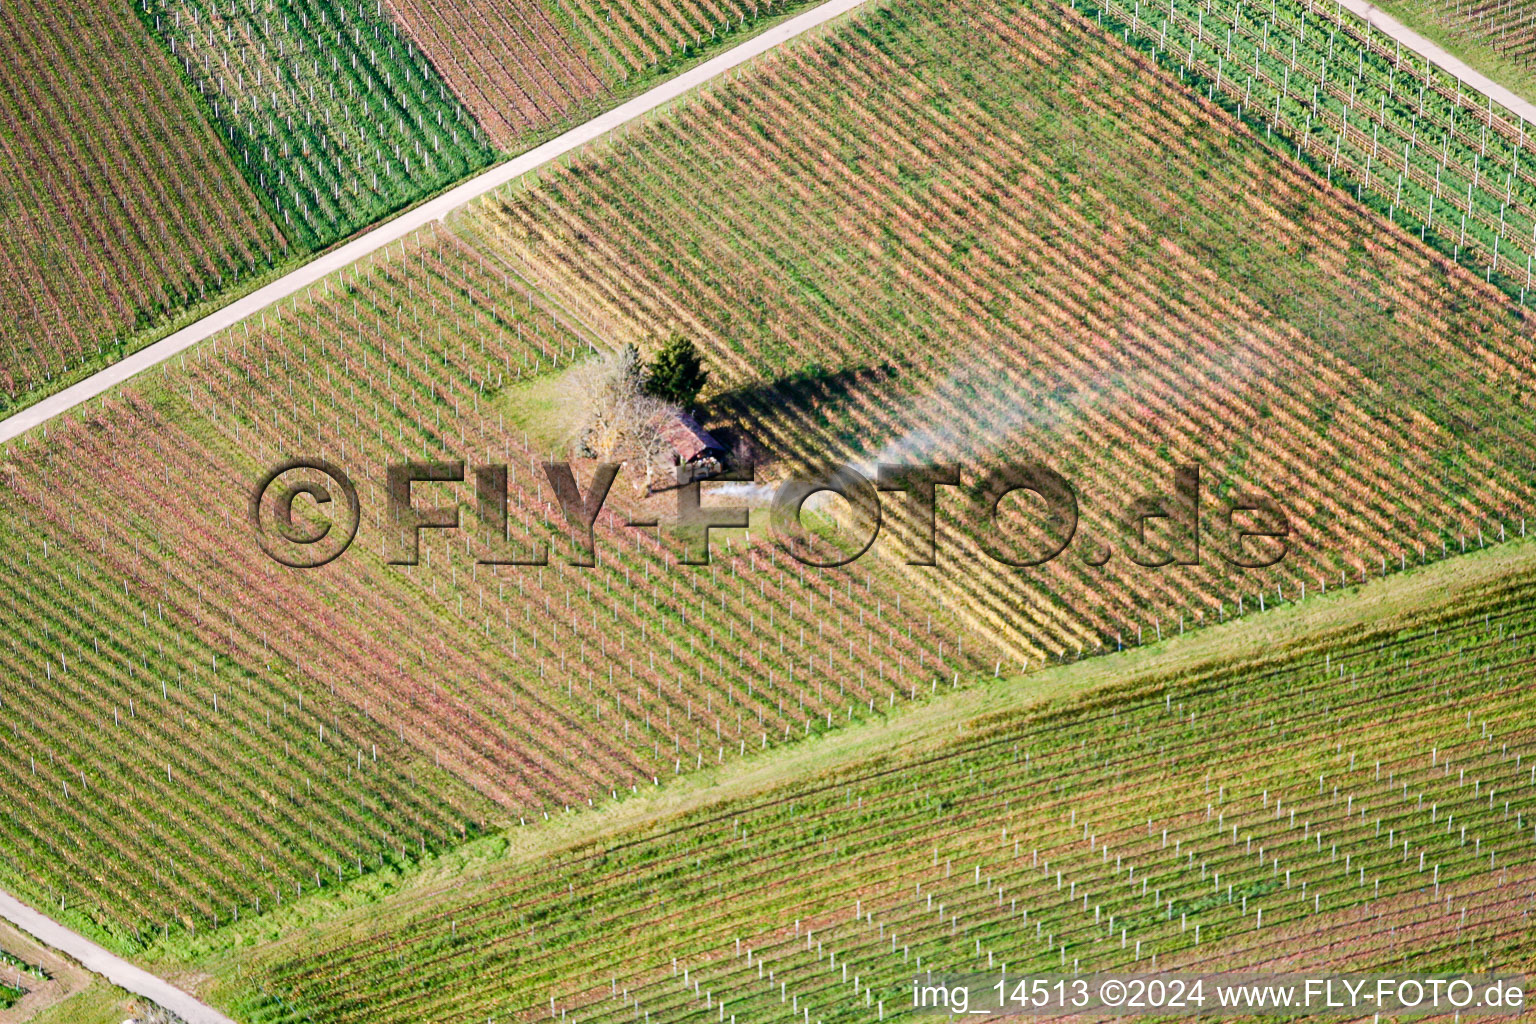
[[821, 401]]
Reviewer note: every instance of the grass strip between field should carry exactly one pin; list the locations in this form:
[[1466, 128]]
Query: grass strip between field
[[916, 731]]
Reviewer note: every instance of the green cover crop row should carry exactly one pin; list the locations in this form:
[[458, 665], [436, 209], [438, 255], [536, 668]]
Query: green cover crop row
[[1362, 803], [335, 118]]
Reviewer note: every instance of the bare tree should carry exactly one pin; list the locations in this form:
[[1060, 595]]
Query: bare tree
[[614, 418]]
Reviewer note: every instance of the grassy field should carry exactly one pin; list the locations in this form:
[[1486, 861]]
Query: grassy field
[[121, 209], [1008, 236], [1291, 800]]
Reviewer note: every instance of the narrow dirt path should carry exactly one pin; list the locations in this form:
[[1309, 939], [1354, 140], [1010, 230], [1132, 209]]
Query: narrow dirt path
[[65, 978]]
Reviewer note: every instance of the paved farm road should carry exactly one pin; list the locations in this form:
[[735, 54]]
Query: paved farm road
[[401, 226], [117, 970], [1411, 40], [141, 982], [110, 966]]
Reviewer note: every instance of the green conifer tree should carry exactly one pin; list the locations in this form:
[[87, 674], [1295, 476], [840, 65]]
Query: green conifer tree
[[677, 373]]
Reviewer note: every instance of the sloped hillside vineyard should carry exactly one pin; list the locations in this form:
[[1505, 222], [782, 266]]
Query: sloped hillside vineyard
[[533, 759], [121, 208], [334, 118], [1436, 157], [1365, 804], [333, 111], [1508, 27], [989, 211], [524, 66], [165, 676]]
